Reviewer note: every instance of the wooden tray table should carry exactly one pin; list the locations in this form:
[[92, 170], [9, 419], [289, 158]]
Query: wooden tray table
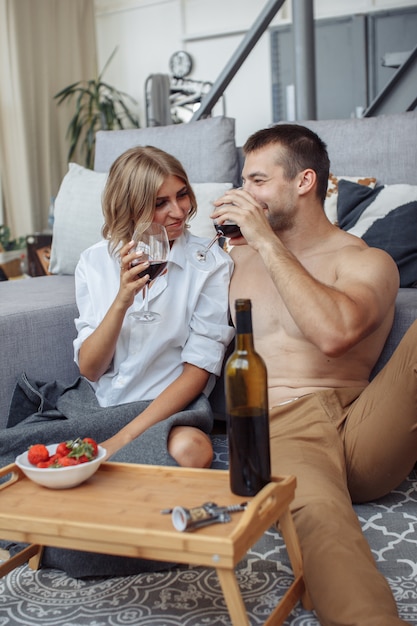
[[118, 511]]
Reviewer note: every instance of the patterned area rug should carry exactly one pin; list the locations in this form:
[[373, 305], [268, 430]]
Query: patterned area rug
[[191, 596]]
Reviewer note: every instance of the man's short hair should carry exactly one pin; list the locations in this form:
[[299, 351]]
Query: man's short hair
[[303, 149]]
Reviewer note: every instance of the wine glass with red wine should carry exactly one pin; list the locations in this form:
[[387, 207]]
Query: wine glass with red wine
[[228, 229], [200, 256], [152, 241]]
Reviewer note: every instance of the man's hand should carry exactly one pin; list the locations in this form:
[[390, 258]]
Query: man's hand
[[239, 206]]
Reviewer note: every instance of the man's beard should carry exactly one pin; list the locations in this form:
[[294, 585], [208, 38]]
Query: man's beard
[[280, 221]]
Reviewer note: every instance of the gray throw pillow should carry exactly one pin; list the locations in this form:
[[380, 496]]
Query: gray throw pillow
[[206, 148]]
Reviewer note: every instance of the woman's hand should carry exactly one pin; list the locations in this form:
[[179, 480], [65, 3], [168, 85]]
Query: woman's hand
[[115, 443], [96, 352], [132, 276], [183, 390]]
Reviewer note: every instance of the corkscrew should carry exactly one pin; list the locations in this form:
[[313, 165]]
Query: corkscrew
[[208, 513]]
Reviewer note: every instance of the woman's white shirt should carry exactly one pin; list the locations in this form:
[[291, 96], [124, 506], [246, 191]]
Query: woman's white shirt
[[148, 357]]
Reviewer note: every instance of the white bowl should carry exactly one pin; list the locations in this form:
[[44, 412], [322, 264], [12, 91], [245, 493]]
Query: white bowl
[[60, 477]]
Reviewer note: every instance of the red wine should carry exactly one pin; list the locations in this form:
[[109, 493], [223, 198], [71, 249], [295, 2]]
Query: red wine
[[248, 434], [154, 269], [228, 230]]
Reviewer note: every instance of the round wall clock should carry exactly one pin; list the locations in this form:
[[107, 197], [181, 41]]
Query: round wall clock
[[180, 64]]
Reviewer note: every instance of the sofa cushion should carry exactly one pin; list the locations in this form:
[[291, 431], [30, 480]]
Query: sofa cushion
[[79, 217], [330, 203], [385, 217], [405, 315], [383, 146], [206, 148], [201, 224], [37, 330]]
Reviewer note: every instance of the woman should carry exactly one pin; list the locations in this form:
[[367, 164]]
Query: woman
[[146, 396], [171, 363]]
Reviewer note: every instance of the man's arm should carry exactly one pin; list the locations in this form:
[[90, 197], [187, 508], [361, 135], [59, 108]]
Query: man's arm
[[335, 314], [335, 317]]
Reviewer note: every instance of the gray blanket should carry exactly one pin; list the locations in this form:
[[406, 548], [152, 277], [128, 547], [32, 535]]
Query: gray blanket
[[52, 412]]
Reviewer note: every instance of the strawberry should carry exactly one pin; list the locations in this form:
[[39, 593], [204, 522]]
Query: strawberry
[[67, 461], [83, 450], [67, 453], [54, 460], [38, 453], [64, 448], [93, 444]]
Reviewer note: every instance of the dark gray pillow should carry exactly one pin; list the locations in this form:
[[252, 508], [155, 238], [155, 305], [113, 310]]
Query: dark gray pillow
[[386, 218]]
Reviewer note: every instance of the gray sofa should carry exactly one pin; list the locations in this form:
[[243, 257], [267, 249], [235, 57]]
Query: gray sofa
[[37, 329], [37, 315]]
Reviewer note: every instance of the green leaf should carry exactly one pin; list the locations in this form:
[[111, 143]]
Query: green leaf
[[97, 105], [7, 244]]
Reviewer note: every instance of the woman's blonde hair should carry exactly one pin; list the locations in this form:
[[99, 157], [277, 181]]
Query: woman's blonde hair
[[131, 190]]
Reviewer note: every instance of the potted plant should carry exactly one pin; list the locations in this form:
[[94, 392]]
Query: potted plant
[[12, 254], [98, 106]]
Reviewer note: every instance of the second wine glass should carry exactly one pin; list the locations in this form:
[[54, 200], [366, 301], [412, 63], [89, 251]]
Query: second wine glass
[[152, 241], [200, 256]]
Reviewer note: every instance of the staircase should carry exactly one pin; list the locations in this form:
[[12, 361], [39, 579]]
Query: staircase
[[400, 94]]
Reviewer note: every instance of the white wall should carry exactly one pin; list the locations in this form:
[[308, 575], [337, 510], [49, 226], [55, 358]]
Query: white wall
[[149, 31]]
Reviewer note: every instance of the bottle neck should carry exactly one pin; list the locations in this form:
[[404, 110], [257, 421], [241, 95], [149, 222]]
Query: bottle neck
[[244, 335]]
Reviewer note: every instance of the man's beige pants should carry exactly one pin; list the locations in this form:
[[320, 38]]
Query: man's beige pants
[[347, 445]]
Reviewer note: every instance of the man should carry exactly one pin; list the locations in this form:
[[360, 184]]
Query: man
[[323, 305]]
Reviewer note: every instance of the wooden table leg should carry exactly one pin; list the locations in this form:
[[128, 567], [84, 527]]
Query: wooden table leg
[[289, 534], [32, 551], [233, 597], [35, 561], [237, 608], [287, 603], [295, 592]]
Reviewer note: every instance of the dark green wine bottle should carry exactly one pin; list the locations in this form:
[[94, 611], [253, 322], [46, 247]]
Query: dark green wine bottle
[[247, 410]]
